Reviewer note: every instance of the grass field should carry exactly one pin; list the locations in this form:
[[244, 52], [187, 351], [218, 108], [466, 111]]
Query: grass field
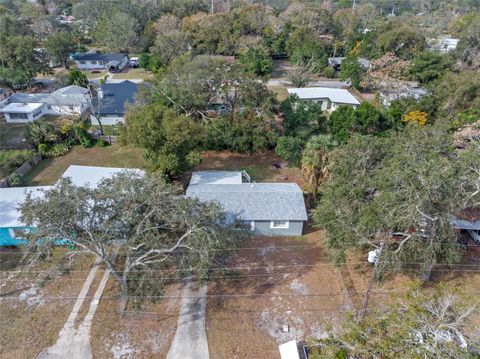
[[49, 170], [12, 135], [133, 74], [279, 91]]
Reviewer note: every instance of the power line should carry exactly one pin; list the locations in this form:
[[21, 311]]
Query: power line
[[237, 295]]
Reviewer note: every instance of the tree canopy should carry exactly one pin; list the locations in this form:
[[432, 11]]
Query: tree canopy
[[399, 192], [138, 226]]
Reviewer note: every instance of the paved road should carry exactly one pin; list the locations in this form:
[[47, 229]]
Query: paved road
[[74, 343], [190, 341], [326, 83]]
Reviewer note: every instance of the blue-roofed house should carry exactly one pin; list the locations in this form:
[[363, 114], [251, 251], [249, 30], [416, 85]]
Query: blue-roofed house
[[110, 102], [272, 209], [12, 229]]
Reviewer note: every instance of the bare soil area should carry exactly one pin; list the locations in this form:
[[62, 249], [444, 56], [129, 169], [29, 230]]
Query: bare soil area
[[284, 282], [263, 166], [140, 334], [33, 312]]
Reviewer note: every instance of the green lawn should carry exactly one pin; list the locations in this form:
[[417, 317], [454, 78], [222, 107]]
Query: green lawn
[[280, 92], [133, 74], [94, 75], [49, 170], [12, 135]]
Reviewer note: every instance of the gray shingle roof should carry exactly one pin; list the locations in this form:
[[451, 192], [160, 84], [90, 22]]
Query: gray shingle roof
[[255, 201], [95, 56], [116, 95]]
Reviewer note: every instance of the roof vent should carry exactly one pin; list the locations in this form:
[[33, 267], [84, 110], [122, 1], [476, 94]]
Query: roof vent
[[252, 185]]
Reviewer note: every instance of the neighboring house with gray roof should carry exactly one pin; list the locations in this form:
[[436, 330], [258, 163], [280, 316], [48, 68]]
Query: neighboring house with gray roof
[[273, 209], [111, 100], [67, 101], [394, 94], [97, 61]]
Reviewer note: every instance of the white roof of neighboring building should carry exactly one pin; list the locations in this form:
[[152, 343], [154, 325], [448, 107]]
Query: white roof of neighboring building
[[10, 198], [18, 107], [334, 95], [91, 175], [216, 177], [289, 350]]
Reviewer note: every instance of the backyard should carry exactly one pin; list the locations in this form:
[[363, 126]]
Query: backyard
[[49, 170]]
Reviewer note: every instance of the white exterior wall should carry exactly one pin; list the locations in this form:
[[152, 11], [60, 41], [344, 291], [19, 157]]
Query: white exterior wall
[[106, 120], [89, 65], [31, 117]]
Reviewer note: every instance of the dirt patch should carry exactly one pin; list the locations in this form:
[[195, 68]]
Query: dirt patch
[[146, 334], [31, 312], [263, 166], [289, 291]]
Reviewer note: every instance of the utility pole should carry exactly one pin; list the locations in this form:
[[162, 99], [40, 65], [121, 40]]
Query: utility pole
[[211, 9], [370, 285], [353, 5]]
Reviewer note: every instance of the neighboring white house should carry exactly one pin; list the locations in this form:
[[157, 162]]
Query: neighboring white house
[[336, 62], [97, 61], [111, 100], [329, 98], [21, 112], [388, 96], [69, 101], [12, 228], [444, 44], [271, 209]]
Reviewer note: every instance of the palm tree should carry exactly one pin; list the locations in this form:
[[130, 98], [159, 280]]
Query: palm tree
[[315, 162]]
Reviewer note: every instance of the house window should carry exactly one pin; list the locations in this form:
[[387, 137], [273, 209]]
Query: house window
[[82, 62], [93, 62], [252, 225], [18, 116], [279, 224]]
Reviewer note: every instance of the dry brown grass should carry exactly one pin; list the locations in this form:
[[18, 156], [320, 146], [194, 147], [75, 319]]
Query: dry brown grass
[[147, 334], [25, 330], [302, 295]]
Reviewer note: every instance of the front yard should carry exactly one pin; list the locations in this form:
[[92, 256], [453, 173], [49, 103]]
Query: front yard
[[33, 312]]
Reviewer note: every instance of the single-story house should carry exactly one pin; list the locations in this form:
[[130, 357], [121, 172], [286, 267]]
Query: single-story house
[[388, 96], [468, 221], [69, 101], [23, 112], [444, 44], [12, 229], [329, 98], [111, 100], [97, 61], [272, 209], [336, 63]]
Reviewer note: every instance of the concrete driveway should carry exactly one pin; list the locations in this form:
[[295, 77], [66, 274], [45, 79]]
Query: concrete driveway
[[190, 341]]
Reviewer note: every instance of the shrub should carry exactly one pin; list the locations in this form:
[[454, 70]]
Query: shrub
[[101, 143], [12, 159], [56, 150], [15, 180], [329, 72], [290, 148]]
